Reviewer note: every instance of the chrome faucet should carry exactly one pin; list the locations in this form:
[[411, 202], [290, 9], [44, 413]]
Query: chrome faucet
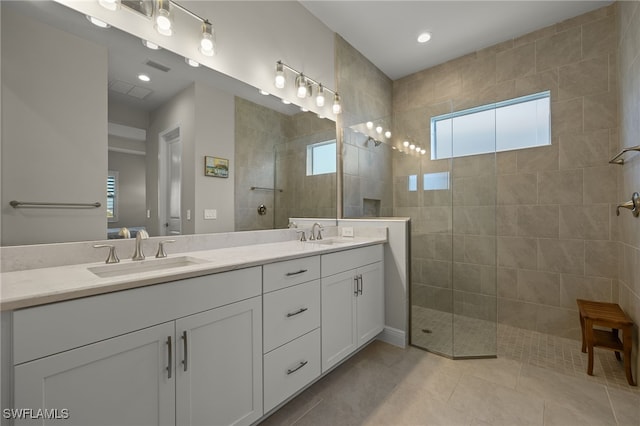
[[140, 235], [315, 236]]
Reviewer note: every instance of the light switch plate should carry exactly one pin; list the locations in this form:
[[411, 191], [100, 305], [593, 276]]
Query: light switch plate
[[347, 231], [210, 214]]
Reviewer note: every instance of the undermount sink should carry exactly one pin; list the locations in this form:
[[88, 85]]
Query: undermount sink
[[148, 265]]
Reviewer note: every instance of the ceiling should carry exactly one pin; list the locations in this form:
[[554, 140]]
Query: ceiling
[[385, 31]]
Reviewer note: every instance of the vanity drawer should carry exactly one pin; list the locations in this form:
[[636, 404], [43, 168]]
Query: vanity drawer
[[290, 272], [290, 313], [334, 263], [290, 368]]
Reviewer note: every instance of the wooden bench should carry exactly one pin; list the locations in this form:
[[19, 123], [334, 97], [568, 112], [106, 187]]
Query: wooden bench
[[607, 315]]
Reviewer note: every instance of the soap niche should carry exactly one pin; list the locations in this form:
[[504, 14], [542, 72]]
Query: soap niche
[[370, 207]]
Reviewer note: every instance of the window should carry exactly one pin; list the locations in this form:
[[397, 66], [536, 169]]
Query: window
[[413, 183], [112, 196], [517, 123], [435, 181], [321, 158]]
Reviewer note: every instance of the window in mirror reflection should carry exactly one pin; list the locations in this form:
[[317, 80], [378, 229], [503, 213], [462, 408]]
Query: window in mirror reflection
[[413, 183], [435, 181], [112, 196], [321, 158]]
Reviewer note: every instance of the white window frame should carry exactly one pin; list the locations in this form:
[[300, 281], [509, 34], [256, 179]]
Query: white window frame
[[113, 173], [310, 159]]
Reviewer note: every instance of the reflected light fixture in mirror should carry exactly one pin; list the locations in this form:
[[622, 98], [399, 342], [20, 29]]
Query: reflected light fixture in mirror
[[337, 106], [304, 86], [301, 84], [110, 4], [207, 44], [320, 96], [280, 79], [150, 45], [97, 22], [163, 17], [192, 63]]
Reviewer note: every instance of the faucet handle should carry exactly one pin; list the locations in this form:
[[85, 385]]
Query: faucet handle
[[303, 237], [319, 236], [113, 257], [161, 253]]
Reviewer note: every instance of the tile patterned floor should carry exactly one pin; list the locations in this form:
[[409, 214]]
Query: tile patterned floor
[[536, 380]]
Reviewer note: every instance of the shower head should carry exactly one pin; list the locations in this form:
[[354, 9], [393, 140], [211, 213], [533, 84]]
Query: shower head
[[375, 141]]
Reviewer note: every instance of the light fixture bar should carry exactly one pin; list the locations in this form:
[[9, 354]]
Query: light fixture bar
[[309, 79], [187, 11]]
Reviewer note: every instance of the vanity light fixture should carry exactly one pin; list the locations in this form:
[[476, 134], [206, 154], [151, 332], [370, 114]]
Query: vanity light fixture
[[423, 151], [280, 79], [163, 17], [144, 77], [304, 87], [424, 37], [301, 84], [110, 4], [379, 129], [320, 96], [337, 107], [150, 45], [412, 147], [405, 143], [369, 125], [192, 63], [97, 22], [387, 134], [207, 44]]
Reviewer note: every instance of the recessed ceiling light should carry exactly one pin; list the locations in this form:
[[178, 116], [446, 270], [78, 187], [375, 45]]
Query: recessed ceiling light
[[150, 45], [144, 77], [286, 102], [303, 109], [97, 22], [424, 37], [192, 63], [263, 92]]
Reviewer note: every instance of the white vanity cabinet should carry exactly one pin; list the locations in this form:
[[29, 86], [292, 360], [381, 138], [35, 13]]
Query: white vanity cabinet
[[203, 366], [352, 301], [291, 328]]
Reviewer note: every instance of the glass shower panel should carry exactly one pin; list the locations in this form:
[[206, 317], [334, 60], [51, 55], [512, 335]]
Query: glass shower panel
[[474, 241]]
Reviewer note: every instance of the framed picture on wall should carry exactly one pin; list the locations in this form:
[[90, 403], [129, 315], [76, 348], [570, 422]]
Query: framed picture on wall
[[216, 167]]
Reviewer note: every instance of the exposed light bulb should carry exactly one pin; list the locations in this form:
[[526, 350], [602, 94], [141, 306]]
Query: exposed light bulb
[[280, 80], [412, 147], [405, 143], [320, 97], [369, 125], [301, 84], [192, 63], [337, 107], [379, 129], [387, 134], [144, 77], [97, 22], [163, 17], [207, 45], [423, 151], [150, 45], [110, 4]]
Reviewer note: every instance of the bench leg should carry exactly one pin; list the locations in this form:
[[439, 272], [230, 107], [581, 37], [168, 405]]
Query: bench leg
[[584, 349], [626, 344], [588, 332]]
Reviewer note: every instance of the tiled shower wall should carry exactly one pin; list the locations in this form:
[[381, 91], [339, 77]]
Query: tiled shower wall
[[270, 152], [555, 220], [629, 173]]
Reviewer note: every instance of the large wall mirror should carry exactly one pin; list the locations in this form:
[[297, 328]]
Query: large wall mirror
[[190, 151]]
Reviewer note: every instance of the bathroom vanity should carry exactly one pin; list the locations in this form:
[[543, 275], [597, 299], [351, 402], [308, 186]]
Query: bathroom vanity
[[224, 338]]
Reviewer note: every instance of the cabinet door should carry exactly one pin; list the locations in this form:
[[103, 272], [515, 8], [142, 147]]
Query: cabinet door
[[338, 318], [124, 380], [219, 365], [370, 301]]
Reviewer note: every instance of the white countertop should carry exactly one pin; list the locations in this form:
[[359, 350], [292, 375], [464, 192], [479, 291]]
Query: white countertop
[[21, 289]]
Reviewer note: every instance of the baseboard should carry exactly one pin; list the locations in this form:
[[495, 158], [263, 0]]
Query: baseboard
[[393, 336]]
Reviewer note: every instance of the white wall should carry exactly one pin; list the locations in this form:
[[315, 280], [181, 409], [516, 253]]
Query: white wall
[[215, 136], [51, 153], [179, 111], [251, 36]]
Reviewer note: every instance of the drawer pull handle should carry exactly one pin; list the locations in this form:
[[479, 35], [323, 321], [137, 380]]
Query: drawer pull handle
[[169, 368], [360, 287], [355, 285], [298, 312], [185, 346], [301, 271], [293, 370]]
